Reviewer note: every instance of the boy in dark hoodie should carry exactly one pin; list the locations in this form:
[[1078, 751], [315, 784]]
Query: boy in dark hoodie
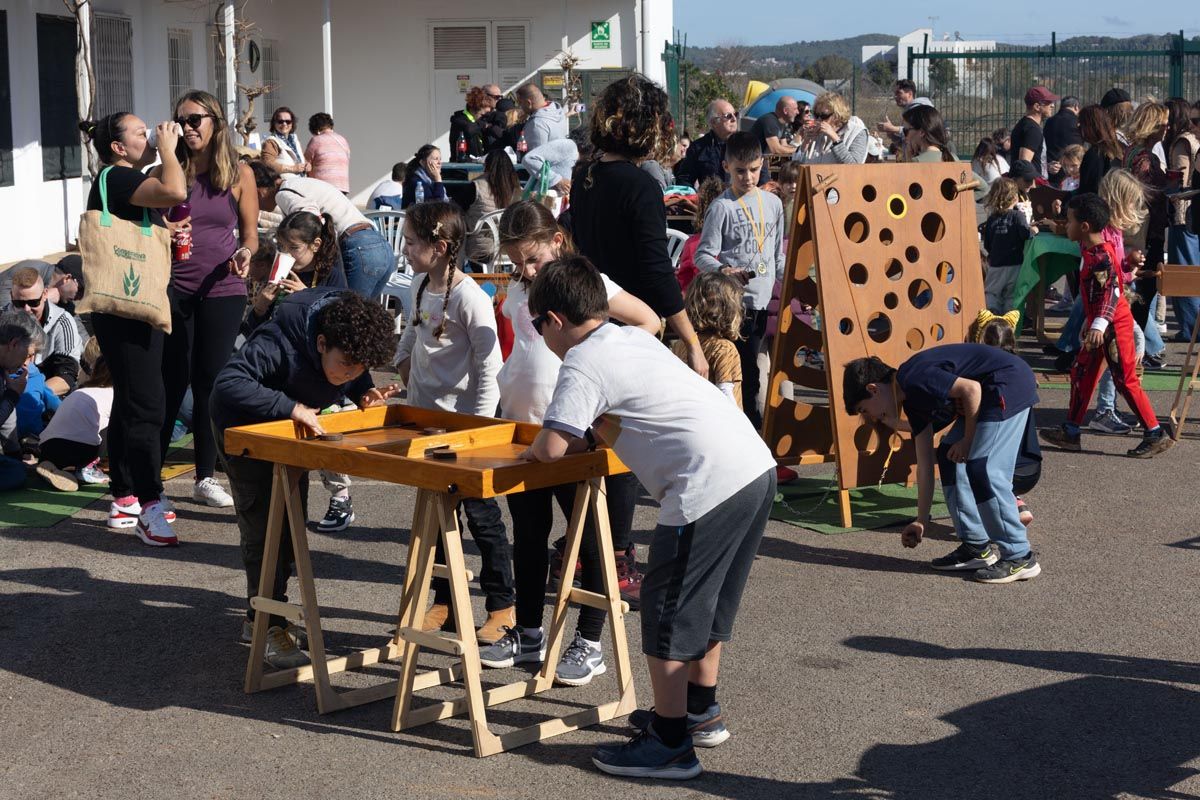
[[316, 348]]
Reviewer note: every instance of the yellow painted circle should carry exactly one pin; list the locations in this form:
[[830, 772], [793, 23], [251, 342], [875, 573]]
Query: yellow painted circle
[[892, 203]]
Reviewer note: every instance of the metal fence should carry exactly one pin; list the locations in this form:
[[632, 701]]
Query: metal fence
[[978, 92]]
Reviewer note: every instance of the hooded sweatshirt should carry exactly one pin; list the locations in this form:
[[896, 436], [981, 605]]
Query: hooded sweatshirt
[[545, 125]]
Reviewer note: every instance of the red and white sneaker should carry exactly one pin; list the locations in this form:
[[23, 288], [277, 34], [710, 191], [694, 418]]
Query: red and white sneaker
[[153, 528], [124, 511]]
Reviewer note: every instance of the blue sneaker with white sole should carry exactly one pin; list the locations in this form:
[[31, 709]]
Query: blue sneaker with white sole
[[647, 756]]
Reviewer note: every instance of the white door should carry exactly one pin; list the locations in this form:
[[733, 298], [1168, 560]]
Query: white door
[[466, 54]]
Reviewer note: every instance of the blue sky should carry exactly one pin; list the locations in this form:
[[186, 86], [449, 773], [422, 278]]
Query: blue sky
[[713, 22]]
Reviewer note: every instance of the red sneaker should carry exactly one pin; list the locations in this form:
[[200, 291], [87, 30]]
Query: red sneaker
[[785, 475], [629, 579], [556, 565]]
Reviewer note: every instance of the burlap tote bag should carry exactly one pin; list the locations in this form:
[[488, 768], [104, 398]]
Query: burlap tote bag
[[126, 267]]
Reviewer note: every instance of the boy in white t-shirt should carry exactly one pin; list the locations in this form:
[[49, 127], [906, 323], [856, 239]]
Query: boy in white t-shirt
[[713, 477]]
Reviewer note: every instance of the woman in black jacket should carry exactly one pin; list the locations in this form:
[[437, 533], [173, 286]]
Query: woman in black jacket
[[1104, 149], [467, 126]]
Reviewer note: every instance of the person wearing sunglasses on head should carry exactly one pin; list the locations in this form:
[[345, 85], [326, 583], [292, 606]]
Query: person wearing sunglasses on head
[[705, 156], [281, 149], [208, 289], [838, 137]]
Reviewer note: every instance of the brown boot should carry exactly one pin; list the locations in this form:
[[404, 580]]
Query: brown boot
[[435, 617], [497, 621]]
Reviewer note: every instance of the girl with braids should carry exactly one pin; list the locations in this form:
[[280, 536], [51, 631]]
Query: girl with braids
[[449, 357], [531, 238]]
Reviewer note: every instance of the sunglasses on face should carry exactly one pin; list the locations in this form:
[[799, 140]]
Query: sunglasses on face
[[823, 115], [284, 121], [538, 322], [496, 97], [193, 121], [34, 303], [730, 117]]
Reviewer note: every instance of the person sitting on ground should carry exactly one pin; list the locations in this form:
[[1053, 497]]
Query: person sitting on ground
[[59, 359], [925, 136], [20, 340], [467, 126], [328, 153], [498, 189], [69, 448], [1004, 235], [987, 162], [545, 120], [281, 148], [319, 346], [773, 129], [839, 137], [423, 177], [38, 403], [1109, 338], [712, 476], [985, 395], [390, 191]]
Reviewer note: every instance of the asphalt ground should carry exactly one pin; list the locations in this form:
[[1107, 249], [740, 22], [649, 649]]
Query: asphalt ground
[[855, 671]]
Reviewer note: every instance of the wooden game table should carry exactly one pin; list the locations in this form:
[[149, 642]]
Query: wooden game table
[[447, 457]]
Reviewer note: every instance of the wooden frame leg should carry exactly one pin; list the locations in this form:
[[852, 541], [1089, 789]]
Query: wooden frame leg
[[266, 580], [1179, 415], [584, 498], [844, 506], [627, 699], [425, 531]]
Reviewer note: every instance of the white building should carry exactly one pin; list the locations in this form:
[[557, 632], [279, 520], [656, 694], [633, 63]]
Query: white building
[[390, 73], [922, 40]]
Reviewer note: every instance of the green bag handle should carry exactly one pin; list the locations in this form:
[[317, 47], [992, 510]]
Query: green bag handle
[[106, 217], [541, 180]]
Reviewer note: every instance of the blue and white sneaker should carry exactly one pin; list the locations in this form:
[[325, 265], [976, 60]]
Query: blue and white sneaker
[[514, 647], [646, 756], [707, 729], [580, 663]]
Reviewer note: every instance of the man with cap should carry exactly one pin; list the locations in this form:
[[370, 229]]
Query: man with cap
[[1119, 106], [1028, 141]]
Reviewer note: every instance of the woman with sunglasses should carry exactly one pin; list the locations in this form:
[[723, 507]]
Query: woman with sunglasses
[[281, 149], [133, 349], [838, 137], [208, 290]]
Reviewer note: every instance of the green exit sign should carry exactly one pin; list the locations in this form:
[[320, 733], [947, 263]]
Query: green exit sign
[[601, 35]]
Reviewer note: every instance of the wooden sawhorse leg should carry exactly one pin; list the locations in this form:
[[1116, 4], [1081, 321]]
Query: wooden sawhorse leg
[[1179, 415], [285, 494], [441, 520]]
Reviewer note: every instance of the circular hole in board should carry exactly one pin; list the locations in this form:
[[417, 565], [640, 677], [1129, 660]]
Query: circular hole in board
[[869, 193], [846, 326], [858, 275], [937, 332], [891, 300], [915, 339], [885, 236], [784, 445], [897, 206], [832, 197], [879, 327], [863, 436], [919, 294], [949, 189], [954, 305], [912, 255], [894, 269], [915, 190], [933, 227], [857, 228], [945, 272]]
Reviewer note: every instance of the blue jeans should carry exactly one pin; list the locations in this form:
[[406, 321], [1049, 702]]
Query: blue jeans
[[1068, 339], [369, 260], [12, 473], [1183, 247], [979, 493], [1154, 341], [1106, 394]]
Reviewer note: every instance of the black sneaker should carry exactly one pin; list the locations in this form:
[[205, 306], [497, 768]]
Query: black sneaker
[[339, 516], [1153, 362], [1152, 444], [707, 729], [966, 557], [1009, 570], [1058, 437]]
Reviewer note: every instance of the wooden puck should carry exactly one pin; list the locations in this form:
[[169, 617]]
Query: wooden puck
[[433, 431], [330, 437], [444, 455]]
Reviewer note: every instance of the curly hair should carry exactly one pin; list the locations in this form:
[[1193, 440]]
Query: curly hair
[[633, 119], [710, 189], [714, 305], [1126, 199], [477, 98], [1002, 196], [431, 222], [319, 122], [362, 329]]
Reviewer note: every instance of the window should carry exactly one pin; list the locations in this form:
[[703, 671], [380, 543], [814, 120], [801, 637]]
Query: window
[[62, 155], [179, 62], [6, 136], [460, 47], [112, 61], [270, 78]]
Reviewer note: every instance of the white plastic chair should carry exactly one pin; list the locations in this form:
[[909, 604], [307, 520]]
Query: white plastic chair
[[391, 225], [491, 222], [675, 242]]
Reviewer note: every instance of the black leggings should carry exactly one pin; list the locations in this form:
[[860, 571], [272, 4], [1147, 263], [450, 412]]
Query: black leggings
[[203, 331], [65, 454], [533, 519], [622, 501], [495, 575], [134, 353], [754, 328]]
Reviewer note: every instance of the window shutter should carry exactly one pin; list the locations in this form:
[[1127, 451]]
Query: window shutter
[[510, 47], [270, 77], [179, 61], [6, 136], [460, 47], [62, 155], [112, 59]]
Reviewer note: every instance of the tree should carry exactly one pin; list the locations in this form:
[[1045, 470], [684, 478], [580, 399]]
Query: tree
[[85, 77], [828, 68], [943, 76], [881, 72], [245, 32]]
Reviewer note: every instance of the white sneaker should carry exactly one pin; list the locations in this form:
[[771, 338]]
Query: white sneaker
[[153, 528], [92, 475], [209, 492], [124, 516]]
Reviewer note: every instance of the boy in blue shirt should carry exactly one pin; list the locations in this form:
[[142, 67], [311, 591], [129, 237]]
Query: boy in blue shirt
[[987, 394]]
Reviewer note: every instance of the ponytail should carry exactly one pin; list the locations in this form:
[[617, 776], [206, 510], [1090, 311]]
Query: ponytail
[[103, 132]]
